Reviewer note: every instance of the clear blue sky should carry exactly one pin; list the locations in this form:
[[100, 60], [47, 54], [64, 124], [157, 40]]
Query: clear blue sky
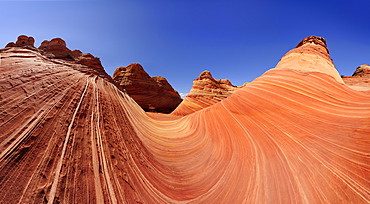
[[178, 39]]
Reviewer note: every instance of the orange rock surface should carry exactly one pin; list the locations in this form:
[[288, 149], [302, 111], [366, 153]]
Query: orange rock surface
[[205, 92], [362, 71], [360, 80], [297, 134], [151, 93]]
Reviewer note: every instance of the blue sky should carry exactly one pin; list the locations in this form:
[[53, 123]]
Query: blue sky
[[178, 39]]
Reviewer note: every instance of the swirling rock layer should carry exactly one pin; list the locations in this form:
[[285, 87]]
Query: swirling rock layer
[[205, 92], [294, 135], [151, 93]]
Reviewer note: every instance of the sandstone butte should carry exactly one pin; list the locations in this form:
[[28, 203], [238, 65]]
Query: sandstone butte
[[151, 93], [296, 134], [205, 92]]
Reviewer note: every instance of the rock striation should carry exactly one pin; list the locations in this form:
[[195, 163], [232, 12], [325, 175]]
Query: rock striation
[[205, 92], [151, 93], [57, 49], [310, 55], [294, 135]]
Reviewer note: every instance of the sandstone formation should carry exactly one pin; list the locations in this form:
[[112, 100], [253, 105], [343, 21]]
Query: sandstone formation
[[151, 93], [22, 41], [360, 80], [362, 71], [56, 49], [296, 134], [205, 92], [310, 55]]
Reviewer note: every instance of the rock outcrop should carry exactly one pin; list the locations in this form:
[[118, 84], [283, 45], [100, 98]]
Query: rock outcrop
[[293, 135], [205, 92], [360, 80], [151, 93], [310, 55], [362, 71], [22, 41], [57, 49]]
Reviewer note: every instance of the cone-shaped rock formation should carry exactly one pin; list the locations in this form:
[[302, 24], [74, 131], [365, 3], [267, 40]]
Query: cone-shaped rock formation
[[205, 92], [310, 55], [151, 93], [293, 135]]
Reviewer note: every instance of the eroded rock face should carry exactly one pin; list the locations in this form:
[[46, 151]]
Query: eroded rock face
[[151, 93], [57, 47], [70, 136], [362, 71], [360, 80], [205, 92], [313, 55], [22, 41], [314, 40]]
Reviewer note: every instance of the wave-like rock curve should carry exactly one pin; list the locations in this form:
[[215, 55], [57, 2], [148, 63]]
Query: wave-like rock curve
[[296, 134]]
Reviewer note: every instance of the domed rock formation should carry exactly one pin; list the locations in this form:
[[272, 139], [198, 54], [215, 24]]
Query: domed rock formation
[[360, 80], [22, 41], [362, 71], [57, 47], [205, 92], [71, 136], [151, 93], [310, 55]]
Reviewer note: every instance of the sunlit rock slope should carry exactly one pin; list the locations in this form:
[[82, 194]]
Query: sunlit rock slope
[[205, 92], [297, 134]]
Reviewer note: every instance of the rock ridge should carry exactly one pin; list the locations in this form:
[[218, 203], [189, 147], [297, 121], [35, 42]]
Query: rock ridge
[[57, 49]]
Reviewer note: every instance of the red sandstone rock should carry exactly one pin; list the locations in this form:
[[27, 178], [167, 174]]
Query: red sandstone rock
[[22, 41], [362, 71], [25, 41], [151, 93], [205, 92], [57, 47], [294, 135]]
